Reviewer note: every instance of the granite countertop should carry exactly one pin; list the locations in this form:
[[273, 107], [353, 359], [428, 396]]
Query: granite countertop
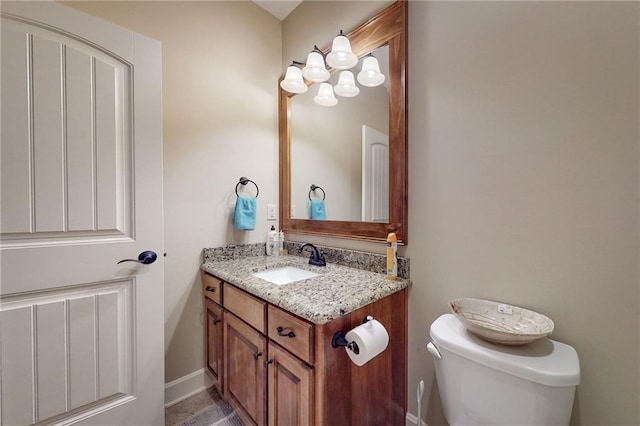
[[338, 290]]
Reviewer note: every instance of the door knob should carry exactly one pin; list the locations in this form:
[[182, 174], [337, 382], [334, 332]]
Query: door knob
[[146, 257]]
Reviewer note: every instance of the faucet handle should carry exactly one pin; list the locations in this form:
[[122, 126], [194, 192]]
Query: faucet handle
[[316, 257]]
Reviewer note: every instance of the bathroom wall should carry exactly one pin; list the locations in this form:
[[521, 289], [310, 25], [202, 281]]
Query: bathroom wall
[[221, 64], [318, 22], [523, 180], [523, 167]]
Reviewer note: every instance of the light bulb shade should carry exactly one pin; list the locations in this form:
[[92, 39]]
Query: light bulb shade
[[346, 86], [292, 82], [325, 95], [315, 70], [370, 76], [341, 56]]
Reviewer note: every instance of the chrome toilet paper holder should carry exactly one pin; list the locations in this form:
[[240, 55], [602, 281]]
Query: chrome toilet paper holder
[[340, 341]]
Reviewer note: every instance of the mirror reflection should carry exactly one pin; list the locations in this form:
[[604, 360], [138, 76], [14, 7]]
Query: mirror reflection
[[344, 151]]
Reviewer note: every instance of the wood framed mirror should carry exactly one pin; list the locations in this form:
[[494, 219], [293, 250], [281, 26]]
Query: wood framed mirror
[[388, 28]]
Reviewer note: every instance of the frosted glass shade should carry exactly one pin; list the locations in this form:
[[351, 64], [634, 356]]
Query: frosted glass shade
[[370, 76], [346, 86], [325, 95], [292, 82], [341, 56], [315, 70]]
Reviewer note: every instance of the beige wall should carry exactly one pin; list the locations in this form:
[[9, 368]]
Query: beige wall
[[523, 180], [318, 22], [219, 123]]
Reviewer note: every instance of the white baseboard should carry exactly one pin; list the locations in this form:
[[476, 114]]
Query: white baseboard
[[413, 420], [186, 386]]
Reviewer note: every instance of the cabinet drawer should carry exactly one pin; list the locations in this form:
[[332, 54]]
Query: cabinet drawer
[[248, 308], [212, 287], [291, 333]]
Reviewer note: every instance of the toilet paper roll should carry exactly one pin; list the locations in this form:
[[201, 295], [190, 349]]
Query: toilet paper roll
[[371, 337]]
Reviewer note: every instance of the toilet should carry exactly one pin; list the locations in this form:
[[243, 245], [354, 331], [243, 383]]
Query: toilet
[[481, 383]]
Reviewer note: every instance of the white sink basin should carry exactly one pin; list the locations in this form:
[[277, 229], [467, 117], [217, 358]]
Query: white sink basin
[[285, 275]]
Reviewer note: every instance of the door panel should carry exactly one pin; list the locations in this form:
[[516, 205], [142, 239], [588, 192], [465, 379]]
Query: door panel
[[245, 376], [17, 367], [77, 179], [290, 389], [81, 152], [78, 343], [15, 127], [375, 175], [46, 140]]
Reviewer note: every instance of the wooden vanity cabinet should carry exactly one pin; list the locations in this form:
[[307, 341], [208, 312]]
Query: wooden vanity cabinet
[[214, 341], [375, 393], [212, 288], [290, 389], [279, 369], [212, 292], [245, 351]]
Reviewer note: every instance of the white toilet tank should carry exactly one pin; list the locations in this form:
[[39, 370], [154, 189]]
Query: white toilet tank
[[481, 383]]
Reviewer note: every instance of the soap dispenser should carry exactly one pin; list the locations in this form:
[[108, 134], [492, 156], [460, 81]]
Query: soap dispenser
[[272, 242]]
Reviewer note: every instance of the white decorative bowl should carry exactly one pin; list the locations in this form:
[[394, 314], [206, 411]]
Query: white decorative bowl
[[501, 323]]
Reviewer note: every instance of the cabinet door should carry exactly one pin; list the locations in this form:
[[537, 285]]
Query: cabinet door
[[245, 351], [290, 389], [214, 341]]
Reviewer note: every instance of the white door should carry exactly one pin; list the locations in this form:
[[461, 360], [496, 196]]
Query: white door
[[81, 179], [375, 175]]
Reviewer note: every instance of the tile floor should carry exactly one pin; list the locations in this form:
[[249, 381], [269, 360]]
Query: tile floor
[[178, 413]]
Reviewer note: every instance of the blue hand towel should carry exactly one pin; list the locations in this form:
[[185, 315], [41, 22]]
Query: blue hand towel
[[244, 216], [318, 211]]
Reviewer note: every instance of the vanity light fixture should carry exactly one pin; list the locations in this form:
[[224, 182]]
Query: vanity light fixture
[[341, 56], [346, 86], [293, 82], [325, 95], [315, 69], [370, 76]]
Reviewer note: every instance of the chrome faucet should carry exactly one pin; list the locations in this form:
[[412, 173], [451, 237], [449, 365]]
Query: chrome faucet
[[317, 257]]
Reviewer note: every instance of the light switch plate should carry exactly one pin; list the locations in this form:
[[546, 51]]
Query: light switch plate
[[293, 211], [271, 212]]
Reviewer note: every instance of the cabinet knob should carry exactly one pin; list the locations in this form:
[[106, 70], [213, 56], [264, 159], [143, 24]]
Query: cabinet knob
[[210, 289], [216, 321], [267, 362], [281, 332], [257, 355]]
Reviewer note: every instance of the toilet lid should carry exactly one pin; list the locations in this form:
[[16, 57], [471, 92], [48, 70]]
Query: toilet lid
[[545, 361]]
